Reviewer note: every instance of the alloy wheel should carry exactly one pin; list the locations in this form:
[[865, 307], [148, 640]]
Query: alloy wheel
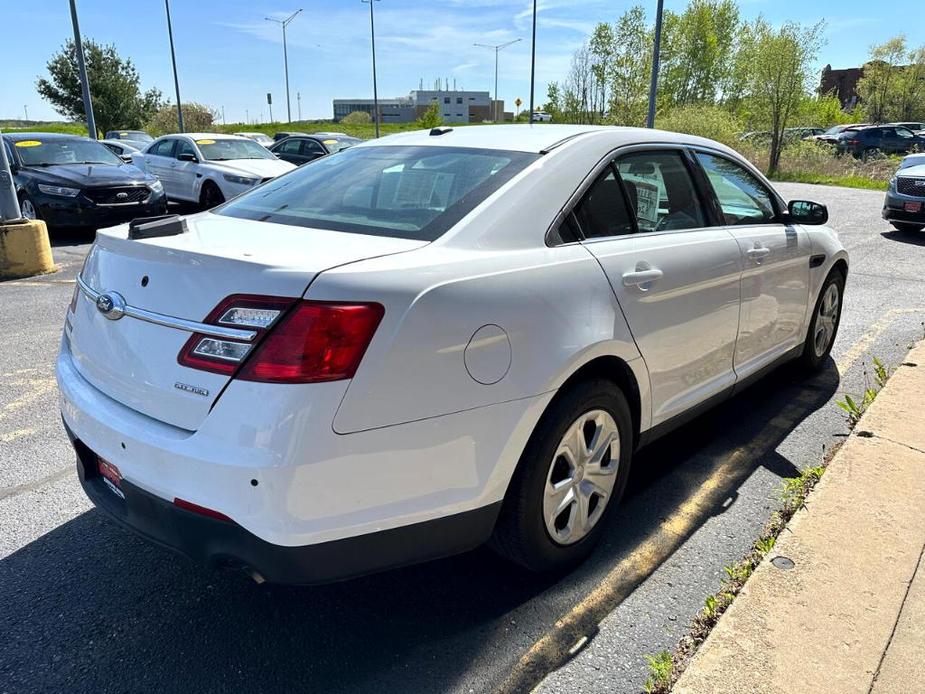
[[581, 477], [826, 320], [28, 209]]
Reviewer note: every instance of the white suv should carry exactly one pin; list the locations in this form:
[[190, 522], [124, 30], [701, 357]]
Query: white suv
[[432, 340]]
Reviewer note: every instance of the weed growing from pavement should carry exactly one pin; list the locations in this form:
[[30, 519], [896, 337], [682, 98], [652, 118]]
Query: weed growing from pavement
[[665, 668]]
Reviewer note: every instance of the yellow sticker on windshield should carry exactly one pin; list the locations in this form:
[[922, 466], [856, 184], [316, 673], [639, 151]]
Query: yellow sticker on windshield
[[123, 134], [330, 142], [205, 142], [28, 143]]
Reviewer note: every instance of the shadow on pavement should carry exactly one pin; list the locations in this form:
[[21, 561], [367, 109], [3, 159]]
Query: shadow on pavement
[[916, 238], [88, 607]]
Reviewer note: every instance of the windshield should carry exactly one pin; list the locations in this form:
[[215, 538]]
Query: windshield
[[224, 150], [137, 135], [57, 152], [336, 145], [407, 192]]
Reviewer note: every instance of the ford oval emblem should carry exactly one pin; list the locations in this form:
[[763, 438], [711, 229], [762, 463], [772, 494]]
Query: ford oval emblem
[[111, 305]]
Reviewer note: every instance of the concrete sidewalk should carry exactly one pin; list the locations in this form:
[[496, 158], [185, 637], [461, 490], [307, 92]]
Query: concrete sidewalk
[[850, 615]]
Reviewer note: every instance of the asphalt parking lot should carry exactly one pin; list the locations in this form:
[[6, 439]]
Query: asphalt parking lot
[[87, 607]]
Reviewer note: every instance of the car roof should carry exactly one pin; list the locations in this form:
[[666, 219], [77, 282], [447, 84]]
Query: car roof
[[248, 134], [530, 137], [206, 136]]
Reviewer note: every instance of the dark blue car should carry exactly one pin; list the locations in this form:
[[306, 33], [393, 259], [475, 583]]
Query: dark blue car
[[71, 181]]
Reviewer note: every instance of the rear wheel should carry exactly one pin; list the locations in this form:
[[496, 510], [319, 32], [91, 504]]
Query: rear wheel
[[570, 477], [210, 196], [907, 226], [824, 326]]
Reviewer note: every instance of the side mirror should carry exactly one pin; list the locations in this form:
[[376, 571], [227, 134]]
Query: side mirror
[[185, 156], [806, 212], [127, 158]]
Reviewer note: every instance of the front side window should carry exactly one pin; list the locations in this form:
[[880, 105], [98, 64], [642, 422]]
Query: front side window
[[184, 147], [602, 211], [661, 191], [903, 133], [402, 191], [312, 147], [742, 198]]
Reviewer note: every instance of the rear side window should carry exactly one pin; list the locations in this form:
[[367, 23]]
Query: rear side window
[[406, 192], [291, 146], [661, 191], [742, 198], [602, 211], [164, 148]]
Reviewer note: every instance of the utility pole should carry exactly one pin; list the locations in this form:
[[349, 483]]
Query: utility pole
[[82, 69], [25, 107], [247, 116], [372, 35], [270, 104], [298, 99], [532, 61], [223, 114], [656, 49], [173, 60], [284, 23], [497, 49]]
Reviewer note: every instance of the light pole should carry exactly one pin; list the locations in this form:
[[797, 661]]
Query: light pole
[[532, 61], [25, 107], [284, 23], [9, 203], [173, 60], [372, 36], [656, 49], [82, 69], [497, 49], [298, 100]]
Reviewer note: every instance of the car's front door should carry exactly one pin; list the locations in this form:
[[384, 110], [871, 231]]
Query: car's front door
[[312, 149], [184, 171], [775, 257], [291, 150], [675, 277]]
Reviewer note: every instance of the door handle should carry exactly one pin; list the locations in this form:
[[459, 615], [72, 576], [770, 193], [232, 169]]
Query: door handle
[[638, 278], [758, 254]]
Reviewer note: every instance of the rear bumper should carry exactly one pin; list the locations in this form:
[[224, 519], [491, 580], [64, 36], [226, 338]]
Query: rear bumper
[[223, 543]]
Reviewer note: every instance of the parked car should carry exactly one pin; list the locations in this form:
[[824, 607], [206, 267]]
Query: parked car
[[283, 135], [541, 117], [137, 137], [121, 148], [830, 136], [71, 181], [262, 138], [904, 205], [300, 149], [431, 340], [208, 168], [790, 135], [888, 139]]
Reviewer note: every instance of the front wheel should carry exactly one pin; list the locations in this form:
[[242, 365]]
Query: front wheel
[[569, 479], [27, 208], [210, 196], [824, 326]]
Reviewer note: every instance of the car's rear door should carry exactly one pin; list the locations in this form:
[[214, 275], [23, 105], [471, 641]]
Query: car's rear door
[[775, 258], [676, 277], [290, 150], [158, 160]]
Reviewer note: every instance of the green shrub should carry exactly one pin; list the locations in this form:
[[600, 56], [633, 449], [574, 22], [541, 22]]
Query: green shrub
[[357, 118], [704, 120]]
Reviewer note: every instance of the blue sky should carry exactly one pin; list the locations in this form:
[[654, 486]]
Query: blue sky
[[229, 56]]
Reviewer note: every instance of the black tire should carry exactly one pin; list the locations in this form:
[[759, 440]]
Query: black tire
[[907, 226], [210, 196], [520, 534], [812, 360], [26, 201]]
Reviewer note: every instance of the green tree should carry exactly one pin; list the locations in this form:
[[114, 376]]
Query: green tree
[[430, 118], [780, 69], [114, 87], [877, 88], [632, 60], [357, 118], [196, 118]]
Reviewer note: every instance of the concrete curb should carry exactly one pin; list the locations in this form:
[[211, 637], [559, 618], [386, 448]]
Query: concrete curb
[[833, 623], [24, 250]]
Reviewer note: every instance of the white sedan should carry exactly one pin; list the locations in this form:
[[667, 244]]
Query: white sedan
[[208, 168], [430, 341]]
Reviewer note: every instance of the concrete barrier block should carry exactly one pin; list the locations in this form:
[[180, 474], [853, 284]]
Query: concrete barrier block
[[25, 250]]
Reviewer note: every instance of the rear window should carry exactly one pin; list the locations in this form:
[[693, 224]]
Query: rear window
[[406, 192]]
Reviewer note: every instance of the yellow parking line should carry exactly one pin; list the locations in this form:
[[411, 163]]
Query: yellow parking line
[[11, 436]]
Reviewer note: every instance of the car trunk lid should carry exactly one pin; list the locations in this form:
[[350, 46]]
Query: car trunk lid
[[185, 276]]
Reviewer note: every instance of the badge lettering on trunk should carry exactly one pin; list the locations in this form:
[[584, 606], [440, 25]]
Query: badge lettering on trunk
[[111, 305], [187, 388]]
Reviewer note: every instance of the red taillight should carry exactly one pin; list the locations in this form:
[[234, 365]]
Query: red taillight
[[852, 142], [316, 341], [244, 311], [201, 510], [296, 342]]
